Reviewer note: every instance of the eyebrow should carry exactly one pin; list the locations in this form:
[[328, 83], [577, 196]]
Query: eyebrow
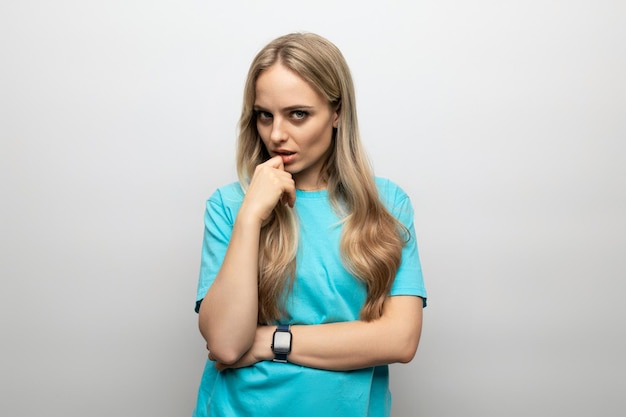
[[289, 108]]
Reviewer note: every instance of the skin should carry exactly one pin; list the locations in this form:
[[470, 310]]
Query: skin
[[295, 124], [348, 345]]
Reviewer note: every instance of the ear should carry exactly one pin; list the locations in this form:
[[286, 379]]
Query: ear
[[336, 118]]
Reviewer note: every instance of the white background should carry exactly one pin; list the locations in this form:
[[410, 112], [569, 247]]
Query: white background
[[504, 121]]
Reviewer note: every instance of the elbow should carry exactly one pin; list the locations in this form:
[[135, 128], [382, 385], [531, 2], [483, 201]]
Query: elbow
[[402, 320], [223, 346], [406, 353], [407, 346], [225, 355], [226, 350]]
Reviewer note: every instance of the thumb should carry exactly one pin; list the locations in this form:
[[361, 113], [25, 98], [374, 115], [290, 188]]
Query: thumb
[[276, 162]]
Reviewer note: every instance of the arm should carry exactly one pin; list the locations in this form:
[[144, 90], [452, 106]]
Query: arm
[[358, 344], [228, 314], [394, 337], [232, 298]]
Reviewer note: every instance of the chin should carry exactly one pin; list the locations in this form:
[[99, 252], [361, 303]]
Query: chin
[[292, 170]]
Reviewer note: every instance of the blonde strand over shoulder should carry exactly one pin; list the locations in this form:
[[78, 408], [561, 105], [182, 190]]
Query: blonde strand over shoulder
[[277, 263], [372, 239]]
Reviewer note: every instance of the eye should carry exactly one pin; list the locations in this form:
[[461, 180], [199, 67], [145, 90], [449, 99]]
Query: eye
[[299, 114], [263, 116]]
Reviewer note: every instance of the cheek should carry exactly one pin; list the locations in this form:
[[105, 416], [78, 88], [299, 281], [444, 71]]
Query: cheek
[[259, 129], [323, 136], [262, 133]]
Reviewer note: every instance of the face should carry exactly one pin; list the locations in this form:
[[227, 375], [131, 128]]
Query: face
[[295, 122]]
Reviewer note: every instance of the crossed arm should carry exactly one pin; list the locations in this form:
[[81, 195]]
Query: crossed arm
[[228, 314], [346, 345], [228, 322]]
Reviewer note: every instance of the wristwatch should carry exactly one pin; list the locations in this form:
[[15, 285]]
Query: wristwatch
[[281, 342]]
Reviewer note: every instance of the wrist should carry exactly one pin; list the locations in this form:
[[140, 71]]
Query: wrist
[[250, 215], [263, 343], [281, 343], [248, 220]]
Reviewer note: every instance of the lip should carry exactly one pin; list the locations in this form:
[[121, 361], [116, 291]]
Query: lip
[[287, 155]]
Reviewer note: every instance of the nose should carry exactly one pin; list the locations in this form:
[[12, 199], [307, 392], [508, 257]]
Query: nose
[[278, 133]]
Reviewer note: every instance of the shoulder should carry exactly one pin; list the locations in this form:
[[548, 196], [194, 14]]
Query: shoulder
[[390, 192], [227, 194], [225, 202]]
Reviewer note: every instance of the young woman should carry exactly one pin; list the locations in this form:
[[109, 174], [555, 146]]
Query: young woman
[[310, 281]]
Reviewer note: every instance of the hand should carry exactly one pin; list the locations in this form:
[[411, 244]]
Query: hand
[[269, 185]]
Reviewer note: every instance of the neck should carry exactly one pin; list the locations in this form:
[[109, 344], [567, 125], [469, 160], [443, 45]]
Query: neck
[[317, 188]]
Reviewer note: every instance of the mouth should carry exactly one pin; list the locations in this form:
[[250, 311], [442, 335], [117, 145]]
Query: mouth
[[287, 156], [283, 152]]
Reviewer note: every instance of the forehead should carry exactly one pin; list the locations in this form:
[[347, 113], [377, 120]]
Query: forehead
[[280, 86]]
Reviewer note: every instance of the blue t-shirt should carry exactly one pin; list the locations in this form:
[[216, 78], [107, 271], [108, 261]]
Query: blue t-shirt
[[323, 292]]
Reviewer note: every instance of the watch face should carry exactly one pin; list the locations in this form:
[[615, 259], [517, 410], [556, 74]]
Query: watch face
[[282, 342]]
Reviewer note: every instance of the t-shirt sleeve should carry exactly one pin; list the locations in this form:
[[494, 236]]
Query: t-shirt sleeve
[[218, 225], [409, 279]]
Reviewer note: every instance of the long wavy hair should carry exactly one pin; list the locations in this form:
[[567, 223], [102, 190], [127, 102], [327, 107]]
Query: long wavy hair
[[371, 238]]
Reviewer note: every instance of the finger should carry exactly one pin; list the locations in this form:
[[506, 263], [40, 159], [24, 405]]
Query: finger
[[276, 162], [289, 193], [289, 197]]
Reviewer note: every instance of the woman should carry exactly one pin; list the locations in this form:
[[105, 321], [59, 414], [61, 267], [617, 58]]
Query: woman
[[310, 281]]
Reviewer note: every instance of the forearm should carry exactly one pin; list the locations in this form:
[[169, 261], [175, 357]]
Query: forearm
[[350, 345], [228, 314], [355, 344]]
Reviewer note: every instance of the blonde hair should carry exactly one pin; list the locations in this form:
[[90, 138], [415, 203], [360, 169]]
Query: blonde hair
[[371, 239]]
